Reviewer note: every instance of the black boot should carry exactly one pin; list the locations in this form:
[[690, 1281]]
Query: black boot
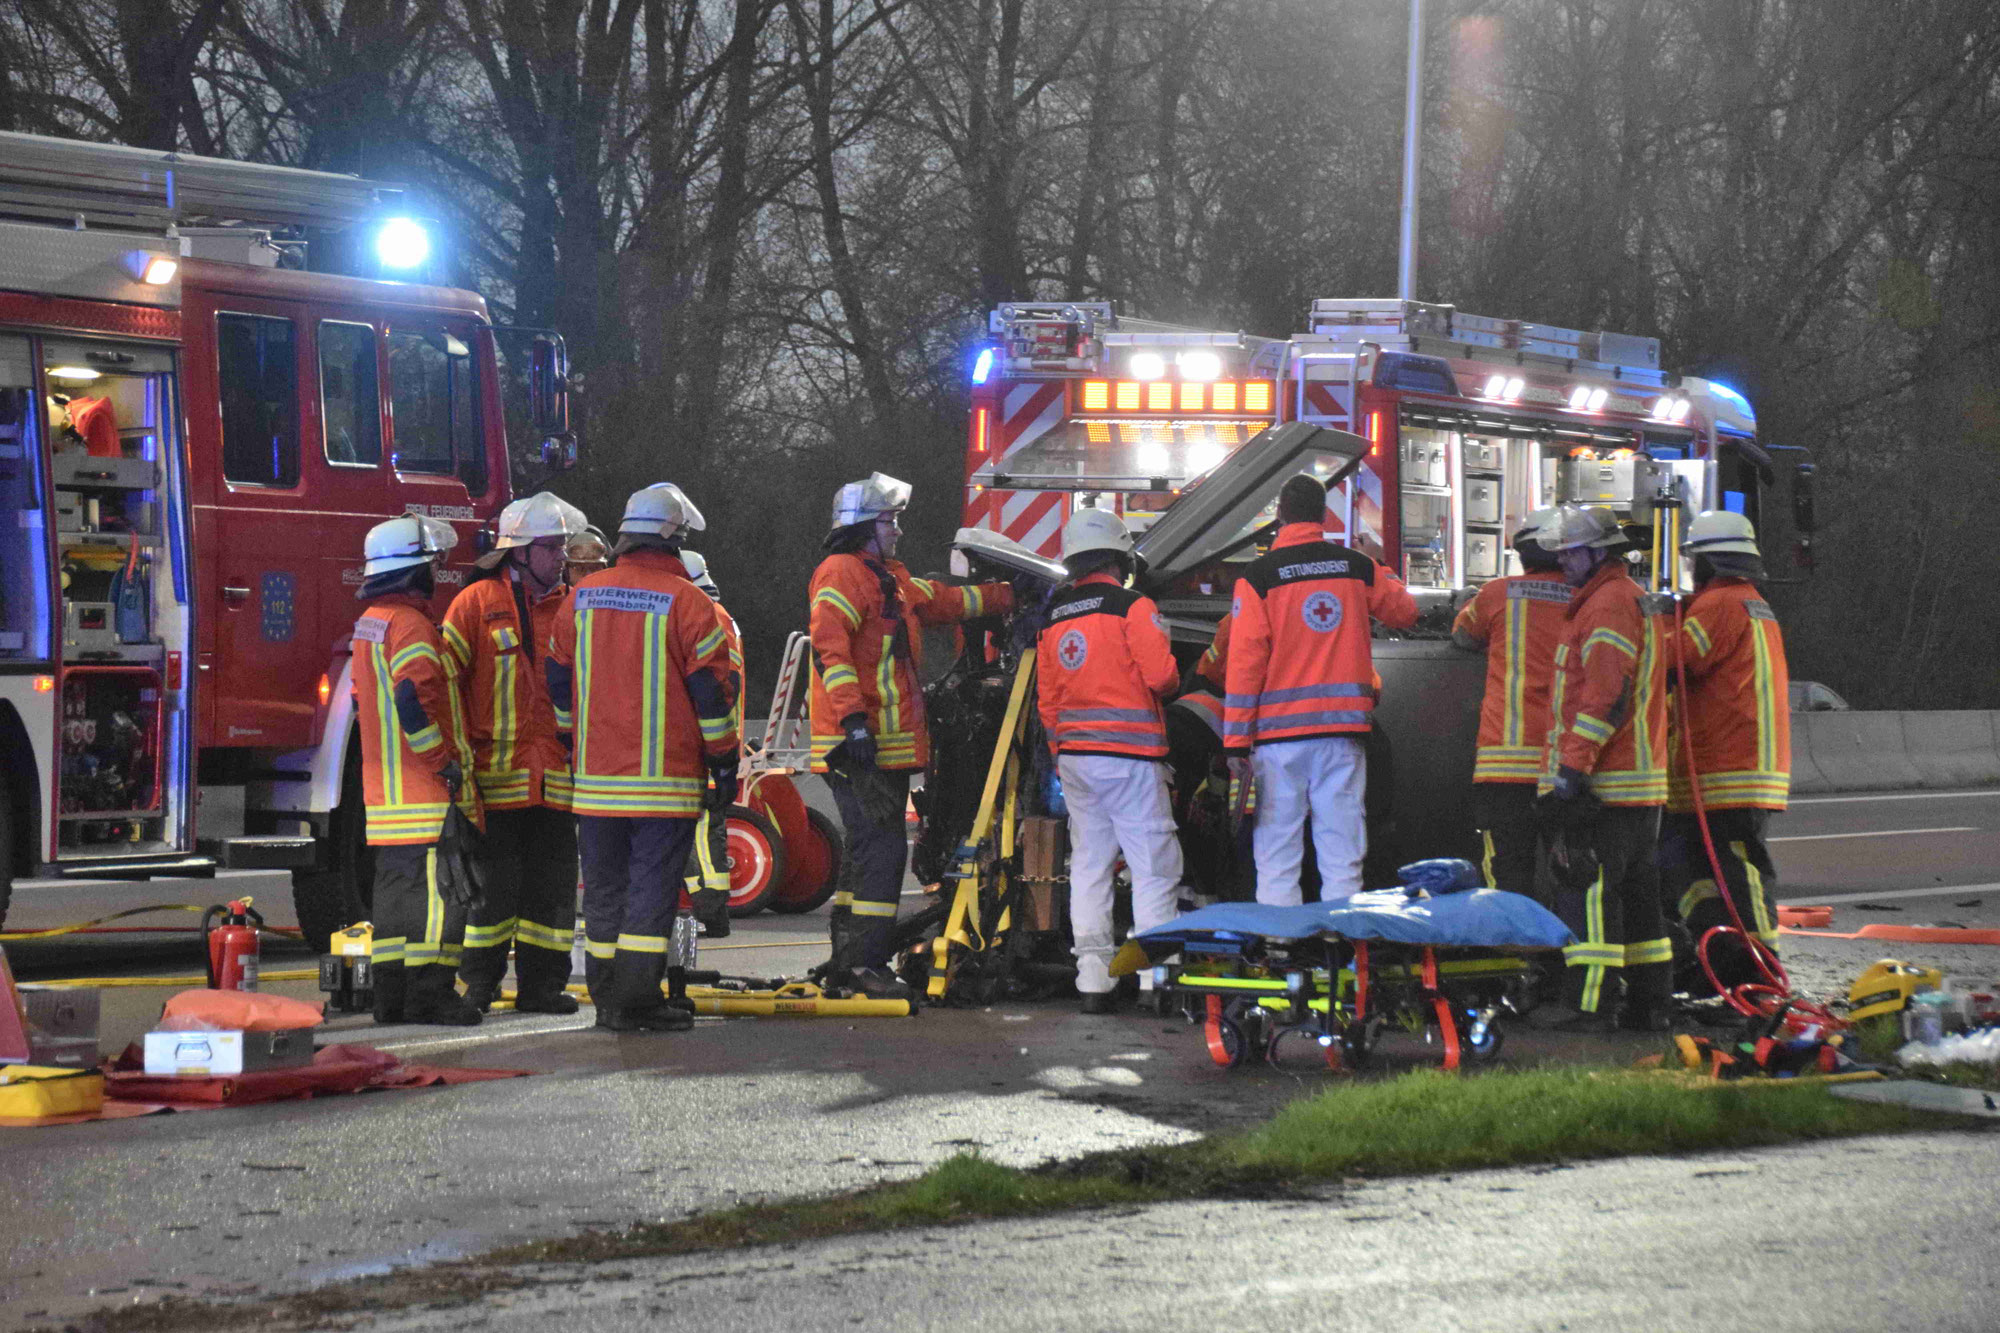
[[434, 999], [545, 1002], [480, 995]]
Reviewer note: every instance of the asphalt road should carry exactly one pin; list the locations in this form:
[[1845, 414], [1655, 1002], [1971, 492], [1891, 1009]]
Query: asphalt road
[[614, 1129]]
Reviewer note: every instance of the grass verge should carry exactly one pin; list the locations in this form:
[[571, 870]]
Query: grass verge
[[1420, 1123]]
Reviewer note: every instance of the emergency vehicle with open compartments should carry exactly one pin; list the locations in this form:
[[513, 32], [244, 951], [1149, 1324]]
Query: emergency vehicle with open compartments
[[194, 439], [1471, 423]]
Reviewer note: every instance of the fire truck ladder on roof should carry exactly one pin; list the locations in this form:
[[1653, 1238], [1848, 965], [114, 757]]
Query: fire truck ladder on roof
[[110, 185]]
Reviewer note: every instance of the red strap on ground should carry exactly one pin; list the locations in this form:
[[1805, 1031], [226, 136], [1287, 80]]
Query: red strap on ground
[[334, 1069], [1905, 934], [1805, 916]]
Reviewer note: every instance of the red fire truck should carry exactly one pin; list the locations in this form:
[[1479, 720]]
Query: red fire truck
[[1471, 423], [194, 438]]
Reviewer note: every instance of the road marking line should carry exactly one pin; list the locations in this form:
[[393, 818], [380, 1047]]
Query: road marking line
[[496, 1033], [1896, 796], [1943, 890], [1879, 833]]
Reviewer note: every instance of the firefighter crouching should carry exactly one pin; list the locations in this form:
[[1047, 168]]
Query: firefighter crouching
[[868, 729], [1302, 691], [1737, 715], [1517, 622], [1604, 781], [640, 670], [416, 761], [1102, 666], [496, 637]]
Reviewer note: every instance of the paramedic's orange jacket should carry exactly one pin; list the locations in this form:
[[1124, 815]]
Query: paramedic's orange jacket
[[1738, 704], [501, 676], [1519, 620], [412, 723], [1609, 709], [867, 657], [1214, 664], [645, 662], [1102, 667], [1300, 664]]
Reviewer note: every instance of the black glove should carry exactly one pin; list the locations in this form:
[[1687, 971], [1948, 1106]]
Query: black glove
[[860, 742], [1570, 783], [722, 782], [453, 778]]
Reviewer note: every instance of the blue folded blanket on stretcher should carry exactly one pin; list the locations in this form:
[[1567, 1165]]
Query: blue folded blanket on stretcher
[[1478, 918]]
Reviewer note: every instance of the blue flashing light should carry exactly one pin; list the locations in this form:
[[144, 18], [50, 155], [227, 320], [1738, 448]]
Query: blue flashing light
[[982, 366], [1733, 501], [1734, 399], [402, 243]]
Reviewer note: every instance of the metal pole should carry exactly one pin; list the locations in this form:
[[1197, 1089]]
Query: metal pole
[[1413, 115]]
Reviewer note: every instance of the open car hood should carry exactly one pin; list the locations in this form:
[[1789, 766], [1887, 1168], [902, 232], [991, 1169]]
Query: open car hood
[[1224, 509], [983, 546]]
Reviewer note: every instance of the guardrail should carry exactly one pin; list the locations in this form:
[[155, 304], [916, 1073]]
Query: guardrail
[[1837, 752]]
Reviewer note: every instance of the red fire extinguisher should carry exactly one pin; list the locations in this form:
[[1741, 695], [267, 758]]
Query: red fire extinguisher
[[232, 945]]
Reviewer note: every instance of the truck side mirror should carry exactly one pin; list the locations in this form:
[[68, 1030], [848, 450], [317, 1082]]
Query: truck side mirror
[[548, 386], [1803, 517], [559, 452]]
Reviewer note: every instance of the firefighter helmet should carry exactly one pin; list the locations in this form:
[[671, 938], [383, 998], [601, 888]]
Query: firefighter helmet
[[401, 543], [1720, 532], [586, 553], [698, 574], [1571, 526], [530, 519], [1532, 526], [658, 511], [860, 501], [1095, 530]]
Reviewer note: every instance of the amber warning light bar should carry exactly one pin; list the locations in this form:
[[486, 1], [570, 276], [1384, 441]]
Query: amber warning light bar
[[1242, 397]]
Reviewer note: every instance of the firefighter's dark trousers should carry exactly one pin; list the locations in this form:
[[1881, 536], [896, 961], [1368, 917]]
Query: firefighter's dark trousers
[[417, 934], [1609, 897], [632, 871], [1687, 882], [864, 907], [1509, 833], [528, 860]]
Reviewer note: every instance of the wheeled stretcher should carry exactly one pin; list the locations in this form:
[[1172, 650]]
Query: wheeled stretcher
[[1340, 974]]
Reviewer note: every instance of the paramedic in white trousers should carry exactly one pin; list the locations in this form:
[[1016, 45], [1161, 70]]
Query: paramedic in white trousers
[[1302, 690], [1102, 667]]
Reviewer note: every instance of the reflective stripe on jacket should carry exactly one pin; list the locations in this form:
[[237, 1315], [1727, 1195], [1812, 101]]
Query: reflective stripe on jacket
[[868, 657], [1520, 620], [1738, 705], [1102, 666], [1214, 664], [636, 639], [1300, 664], [508, 713], [412, 724], [1608, 714]]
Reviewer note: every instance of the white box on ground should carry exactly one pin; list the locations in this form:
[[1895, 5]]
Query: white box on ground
[[211, 1054]]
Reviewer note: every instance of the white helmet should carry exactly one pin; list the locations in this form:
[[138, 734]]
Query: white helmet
[[1571, 526], [659, 511], [698, 575], [691, 516], [859, 501], [1720, 532], [1532, 526], [531, 518], [1095, 530], [403, 542]]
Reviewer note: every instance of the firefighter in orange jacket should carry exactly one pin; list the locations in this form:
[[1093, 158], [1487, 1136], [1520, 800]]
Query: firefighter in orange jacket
[[1517, 622], [416, 761], [867, 709], [640, 672], [709, 868], [1302, 689], [1604, 780], [1737, 715], [1102, 666], [496, 636]]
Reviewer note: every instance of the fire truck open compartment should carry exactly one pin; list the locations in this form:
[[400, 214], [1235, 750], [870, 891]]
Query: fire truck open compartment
[[114, 590]]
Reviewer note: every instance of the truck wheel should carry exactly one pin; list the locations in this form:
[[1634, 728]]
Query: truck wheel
[[341, 890], [815, 868], [756, 861]]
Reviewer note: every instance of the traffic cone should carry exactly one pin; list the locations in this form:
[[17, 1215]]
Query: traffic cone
[[14, 1047]]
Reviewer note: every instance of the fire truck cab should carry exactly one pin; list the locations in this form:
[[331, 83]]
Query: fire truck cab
[[193, 441], [1470, 422]]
